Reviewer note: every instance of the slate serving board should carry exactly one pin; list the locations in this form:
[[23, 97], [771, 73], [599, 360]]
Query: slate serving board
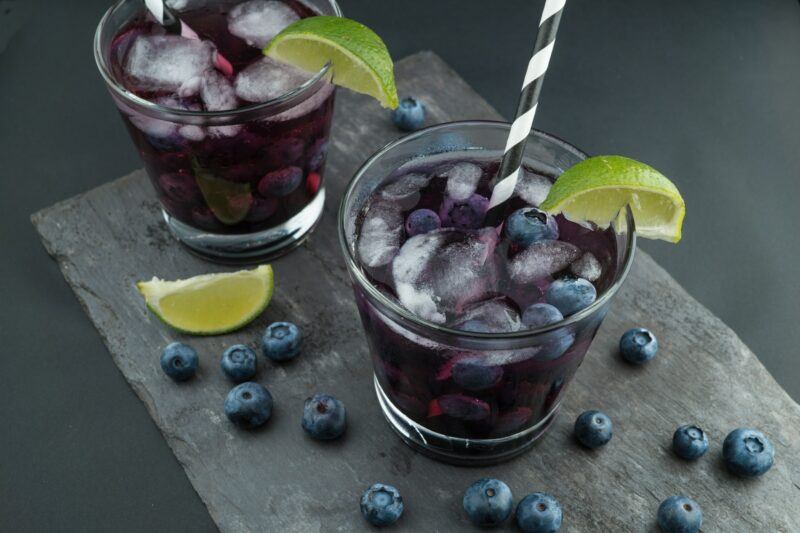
[[276, 479]]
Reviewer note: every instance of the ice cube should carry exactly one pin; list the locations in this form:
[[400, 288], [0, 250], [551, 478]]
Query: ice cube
[[166, 62], [379, 238], [462, 180], [490, 316], [405, 186], [217, 92], [542, 259], [267, 79], [439, 273], [163, 129], [258, 21], [533, 188], [587, 266]]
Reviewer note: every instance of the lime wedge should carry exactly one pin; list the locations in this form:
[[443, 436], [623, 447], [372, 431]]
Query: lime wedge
[[598, 189], [230, 202], [210, 304], [359, 59]]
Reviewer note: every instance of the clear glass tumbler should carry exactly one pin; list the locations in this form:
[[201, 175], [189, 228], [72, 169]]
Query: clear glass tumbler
[[208, 167], [413, 358]]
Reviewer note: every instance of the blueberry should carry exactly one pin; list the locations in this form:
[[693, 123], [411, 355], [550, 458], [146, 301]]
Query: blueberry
[[281, 341], [381, 505], [747, 452], [689, 442], [179, 361], [528, 225], [488, 502], [466, 214], [472, 373], [679, 514], [409, 115], [422, 221], [464, 407], [638, 346], [324, 417], [180, 186], [248, 405], [540, 315], [570, 295], [239, 363], [539, 513], [280, 182], [261, 209], [593, 429]]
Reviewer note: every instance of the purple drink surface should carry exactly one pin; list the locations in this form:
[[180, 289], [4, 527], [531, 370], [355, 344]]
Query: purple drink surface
[[470, 277], [234, 178]]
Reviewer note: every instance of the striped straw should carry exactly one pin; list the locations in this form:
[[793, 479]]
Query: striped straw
[[526, 109], [170, 21]]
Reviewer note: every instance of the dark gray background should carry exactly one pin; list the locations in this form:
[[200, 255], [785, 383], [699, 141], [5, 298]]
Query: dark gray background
[[704, 90]]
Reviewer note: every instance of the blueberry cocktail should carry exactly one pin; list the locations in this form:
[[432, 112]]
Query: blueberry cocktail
[[475, 329], [234, 142]]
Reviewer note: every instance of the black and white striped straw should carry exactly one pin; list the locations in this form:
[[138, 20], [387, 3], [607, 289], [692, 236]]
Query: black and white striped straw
[[170, 21], [526, 109]]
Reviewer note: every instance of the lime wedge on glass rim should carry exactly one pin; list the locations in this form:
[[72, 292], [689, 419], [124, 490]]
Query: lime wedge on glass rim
[[359, 59], [210, 304], [598, 189]]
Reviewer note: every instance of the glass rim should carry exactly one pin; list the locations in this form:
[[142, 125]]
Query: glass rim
[[358, 274], [154, 108]]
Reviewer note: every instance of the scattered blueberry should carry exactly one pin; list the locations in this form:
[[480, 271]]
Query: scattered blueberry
[[689, 442], [422, 221], [528, 225], [570, 295], [179, 361], [409, 115], [248, 405], [324, 417], [381, 505], [281, 341], [239, 363], [472, 373], [539, 315], [593, 429], [679, 514], [466, 214], [638, 346], [488, 502], [280, 182], [747, 452], [539, 512]]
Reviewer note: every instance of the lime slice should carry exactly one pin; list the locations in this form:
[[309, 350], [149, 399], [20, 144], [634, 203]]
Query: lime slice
[[210, 304], [229, 201], [359, 59], [598, 189]]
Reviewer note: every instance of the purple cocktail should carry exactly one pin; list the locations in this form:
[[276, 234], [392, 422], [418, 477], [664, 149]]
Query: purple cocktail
[[235, 149], [471, 352]]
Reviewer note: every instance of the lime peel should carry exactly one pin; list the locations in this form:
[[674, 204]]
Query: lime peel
[[599, 188], [359, 58], [210, 304]]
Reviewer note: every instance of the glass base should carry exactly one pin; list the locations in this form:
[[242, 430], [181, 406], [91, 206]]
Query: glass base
[[454, 450], [250, 247]]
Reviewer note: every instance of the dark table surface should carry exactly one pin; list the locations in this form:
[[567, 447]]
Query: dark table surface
[[706, 91]]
